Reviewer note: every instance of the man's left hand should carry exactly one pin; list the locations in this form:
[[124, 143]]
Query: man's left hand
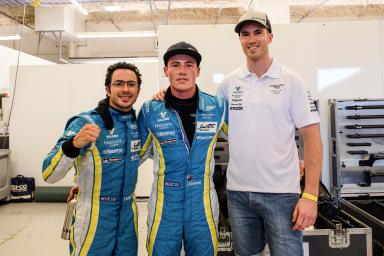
[[305, 214], [160, 95]]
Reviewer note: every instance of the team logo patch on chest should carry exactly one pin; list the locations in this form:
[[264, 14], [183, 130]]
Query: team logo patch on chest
[[135, 145], [206, 127], [163, 117]]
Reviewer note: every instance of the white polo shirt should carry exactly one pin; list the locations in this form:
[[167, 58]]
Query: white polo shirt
[[263, 114]]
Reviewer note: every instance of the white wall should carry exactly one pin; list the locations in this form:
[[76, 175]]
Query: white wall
[[9, 57], [46, 97], [337, 60]]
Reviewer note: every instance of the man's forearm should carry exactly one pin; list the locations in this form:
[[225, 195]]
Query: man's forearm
[[313, 156]]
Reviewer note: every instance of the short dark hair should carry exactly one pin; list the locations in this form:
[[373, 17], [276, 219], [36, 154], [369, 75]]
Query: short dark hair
[[121, 65]]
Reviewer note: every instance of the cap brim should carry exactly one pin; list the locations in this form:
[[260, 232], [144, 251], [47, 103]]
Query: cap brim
[[242, 23], [191, 53]]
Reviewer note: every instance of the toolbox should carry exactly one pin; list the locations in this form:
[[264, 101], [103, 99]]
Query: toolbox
[[357, 162]]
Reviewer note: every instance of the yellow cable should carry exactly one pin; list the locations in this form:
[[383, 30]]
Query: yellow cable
[[36, 3]]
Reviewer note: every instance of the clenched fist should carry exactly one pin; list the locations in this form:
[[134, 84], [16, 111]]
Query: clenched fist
[[87, 134]]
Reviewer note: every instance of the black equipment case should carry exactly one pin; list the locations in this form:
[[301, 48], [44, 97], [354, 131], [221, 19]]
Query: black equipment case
[[357, 162], [336, 232]]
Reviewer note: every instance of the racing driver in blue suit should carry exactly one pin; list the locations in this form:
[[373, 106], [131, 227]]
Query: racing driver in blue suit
[[103, 146], [180, 133]]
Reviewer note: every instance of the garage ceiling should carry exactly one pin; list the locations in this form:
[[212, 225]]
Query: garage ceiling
[[147, 15], [190, 11]]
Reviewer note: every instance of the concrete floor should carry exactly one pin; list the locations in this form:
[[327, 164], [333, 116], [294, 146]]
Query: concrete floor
[[35, 229]]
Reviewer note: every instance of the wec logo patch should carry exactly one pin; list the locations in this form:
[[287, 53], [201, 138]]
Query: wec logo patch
[[206, 127]]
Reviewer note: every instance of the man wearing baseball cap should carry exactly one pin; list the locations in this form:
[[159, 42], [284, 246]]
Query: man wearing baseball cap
[[266, 103], [180, 132]]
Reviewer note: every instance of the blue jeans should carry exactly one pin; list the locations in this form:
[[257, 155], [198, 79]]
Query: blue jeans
[[260, 218]]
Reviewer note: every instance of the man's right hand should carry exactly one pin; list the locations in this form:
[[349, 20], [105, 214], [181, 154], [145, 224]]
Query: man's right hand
[[87, 134], [74, 190], [160, 95]]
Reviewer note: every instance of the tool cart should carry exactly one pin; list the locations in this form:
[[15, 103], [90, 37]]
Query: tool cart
[[357, 162]]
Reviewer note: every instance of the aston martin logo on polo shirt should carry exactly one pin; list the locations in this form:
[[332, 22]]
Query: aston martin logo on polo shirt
[[276, 88]]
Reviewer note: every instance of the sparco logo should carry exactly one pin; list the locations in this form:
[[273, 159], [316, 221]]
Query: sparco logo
[[171, 184], [108, 198], [19, 187]]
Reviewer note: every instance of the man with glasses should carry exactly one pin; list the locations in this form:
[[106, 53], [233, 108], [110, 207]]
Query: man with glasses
[[103, 146]]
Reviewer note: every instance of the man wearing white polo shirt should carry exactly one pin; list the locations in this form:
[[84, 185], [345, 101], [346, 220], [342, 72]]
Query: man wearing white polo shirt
[[266, 103]]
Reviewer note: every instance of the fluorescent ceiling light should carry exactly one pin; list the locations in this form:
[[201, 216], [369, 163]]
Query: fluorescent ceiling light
[[79, 7], [116, 34], [9, 37], [112, 8], [114, 60]]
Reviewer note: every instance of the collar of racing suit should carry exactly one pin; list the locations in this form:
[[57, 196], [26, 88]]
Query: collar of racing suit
[[105, 113], [172, 101], [200, 100]]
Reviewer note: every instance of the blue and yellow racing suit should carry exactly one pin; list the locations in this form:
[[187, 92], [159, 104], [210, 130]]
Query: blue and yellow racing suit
[[105, 217], [183, 203]]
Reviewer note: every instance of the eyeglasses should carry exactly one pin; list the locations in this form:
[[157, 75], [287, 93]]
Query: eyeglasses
[[121, 83]]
